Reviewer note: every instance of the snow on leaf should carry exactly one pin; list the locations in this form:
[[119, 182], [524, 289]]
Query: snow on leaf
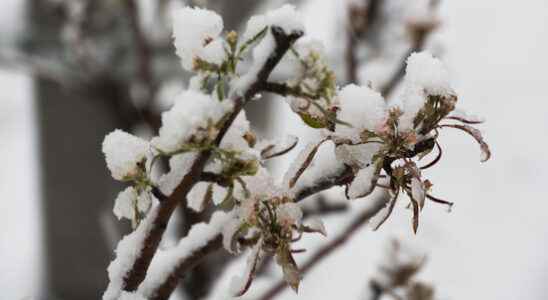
[[124, 205], [418, 192], [476, 134], [364, 183], [301, 163], [314, 225], [240, 284], [292, 275], [278, 148], [230, 232]]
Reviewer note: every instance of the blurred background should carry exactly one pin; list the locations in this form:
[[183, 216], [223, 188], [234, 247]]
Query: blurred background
[[72, 71]]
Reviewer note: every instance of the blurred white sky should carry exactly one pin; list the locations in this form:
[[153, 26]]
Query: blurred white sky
[[493, 244]]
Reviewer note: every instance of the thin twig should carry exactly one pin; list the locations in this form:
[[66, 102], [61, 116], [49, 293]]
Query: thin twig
[[359, 221]]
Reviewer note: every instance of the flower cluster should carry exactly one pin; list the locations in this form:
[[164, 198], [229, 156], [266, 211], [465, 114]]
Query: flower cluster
[[269, 221]]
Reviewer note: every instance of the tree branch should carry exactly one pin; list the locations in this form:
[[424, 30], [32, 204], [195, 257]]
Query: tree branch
[[163, 291], [359, 221], [137, 271]]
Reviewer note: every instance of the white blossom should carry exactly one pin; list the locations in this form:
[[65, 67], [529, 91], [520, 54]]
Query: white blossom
[[363, 108], [192, 110], [123, 153], [196, 33]]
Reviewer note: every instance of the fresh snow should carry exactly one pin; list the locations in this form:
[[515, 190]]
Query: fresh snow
[[192, 110], [193, 28], [165, 261], [123, 153], [363, 108]]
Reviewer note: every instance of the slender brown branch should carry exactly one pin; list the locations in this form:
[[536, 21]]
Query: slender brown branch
[[359, 221], [360, 21], [138, 270], [187, 264], [145, 74]]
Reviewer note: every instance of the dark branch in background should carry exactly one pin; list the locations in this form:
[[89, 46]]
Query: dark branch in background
[[360, 220], [419, 33], [360, 20], [145, 75], [138, 271]]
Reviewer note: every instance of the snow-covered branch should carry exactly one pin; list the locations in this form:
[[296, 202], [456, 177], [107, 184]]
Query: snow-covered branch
[[216, 159]]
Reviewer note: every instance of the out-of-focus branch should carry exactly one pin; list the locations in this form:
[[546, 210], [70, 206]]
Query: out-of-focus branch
[[419, 33], [360, 19], [359, 221], [145, 76]]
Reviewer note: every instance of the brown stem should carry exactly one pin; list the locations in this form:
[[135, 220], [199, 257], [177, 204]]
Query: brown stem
[[137, 272], [187, 264], [359, 221], [145, 75]]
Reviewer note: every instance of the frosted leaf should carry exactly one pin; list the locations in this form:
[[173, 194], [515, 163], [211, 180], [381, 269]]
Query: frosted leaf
[[364, 182], [315, 225], [289, 214], [418, 191], [124, 205], [300, 164], [123, 153], [476, 134], [192, 29], [229, 231], [363, 108], [428, 73], [270, 149], [179, 166], [191, 111], [358, 156], [205, 191], [260, 184], [240, 284]]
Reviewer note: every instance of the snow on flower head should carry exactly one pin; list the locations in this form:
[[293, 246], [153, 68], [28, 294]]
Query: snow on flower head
[[123, 153], [196, 31], [129, 202], [361, 107], [192, 110], [289, 214], [429, 73], [285, 17], [425, 76]]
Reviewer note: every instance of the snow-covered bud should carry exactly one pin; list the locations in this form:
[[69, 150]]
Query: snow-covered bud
[[196, 32], [125, 154]]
